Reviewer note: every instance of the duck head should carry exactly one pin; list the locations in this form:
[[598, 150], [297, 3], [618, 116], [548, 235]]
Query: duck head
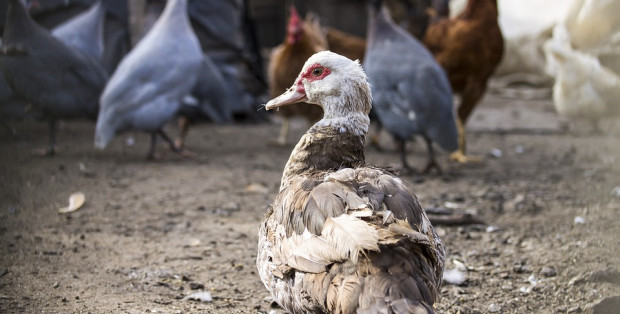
[[336, 83]]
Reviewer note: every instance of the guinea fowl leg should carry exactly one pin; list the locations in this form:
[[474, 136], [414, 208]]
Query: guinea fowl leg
[[432, 162], [403, 157], [151, 155], [183, 125], [51, 149], [181, 151]]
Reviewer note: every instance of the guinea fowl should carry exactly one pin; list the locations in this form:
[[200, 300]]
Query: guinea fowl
[[343, 236], [58, 80], [84, 31], [285, 62], [469, 47], [411, 92], [211, 99], [146, 89]]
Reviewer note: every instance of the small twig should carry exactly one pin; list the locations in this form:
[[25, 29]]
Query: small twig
[[456, 220], [439, 211], [517, 131]]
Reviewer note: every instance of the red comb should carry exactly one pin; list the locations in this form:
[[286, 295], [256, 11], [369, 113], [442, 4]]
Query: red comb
[[294, 17]]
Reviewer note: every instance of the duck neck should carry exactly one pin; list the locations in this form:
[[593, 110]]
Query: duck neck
[[330, 144]]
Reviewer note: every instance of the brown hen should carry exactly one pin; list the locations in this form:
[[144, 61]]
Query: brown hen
[[303, 39], [348, 45], [469, 47]]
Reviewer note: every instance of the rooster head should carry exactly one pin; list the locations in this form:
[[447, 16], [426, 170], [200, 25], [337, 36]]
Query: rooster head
[[295, 29]]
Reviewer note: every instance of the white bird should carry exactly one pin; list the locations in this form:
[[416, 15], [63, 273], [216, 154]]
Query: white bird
[[343, 236], [146, 89], [583, 88]]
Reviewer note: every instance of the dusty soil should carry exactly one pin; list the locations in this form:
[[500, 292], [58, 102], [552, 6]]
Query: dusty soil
[[152, 233]]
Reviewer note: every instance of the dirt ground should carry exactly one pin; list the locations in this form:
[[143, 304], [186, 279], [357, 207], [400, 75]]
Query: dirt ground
[[153, 233]]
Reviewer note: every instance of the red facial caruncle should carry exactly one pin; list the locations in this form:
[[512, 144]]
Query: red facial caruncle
[[314, 73]]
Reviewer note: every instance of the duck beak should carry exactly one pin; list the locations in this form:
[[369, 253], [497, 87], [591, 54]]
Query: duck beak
[[291, 96]]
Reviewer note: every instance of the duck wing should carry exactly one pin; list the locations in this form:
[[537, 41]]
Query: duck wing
[[349, 239]]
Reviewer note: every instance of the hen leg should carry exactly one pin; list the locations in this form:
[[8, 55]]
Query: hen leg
[[459, 155], [281, 140], [470, 97]]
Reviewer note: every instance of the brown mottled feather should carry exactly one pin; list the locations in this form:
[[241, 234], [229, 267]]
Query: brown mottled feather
[[469, 47]]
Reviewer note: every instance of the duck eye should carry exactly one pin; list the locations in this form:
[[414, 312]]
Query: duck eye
[[317, 71]]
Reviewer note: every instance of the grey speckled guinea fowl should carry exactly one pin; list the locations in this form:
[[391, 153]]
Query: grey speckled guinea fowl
[[58, 80], [85, 31], [342, 236], [147, 87], [411, 93]]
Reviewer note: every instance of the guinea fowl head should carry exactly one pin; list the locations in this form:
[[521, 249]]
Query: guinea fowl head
[[336, 83]]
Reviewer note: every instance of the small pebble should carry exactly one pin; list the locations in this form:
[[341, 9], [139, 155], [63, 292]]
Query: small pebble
[[548, 271], [519, 149], [196, 286], [615, 192], [202, 296], [496, 152], [490, 229], [579, 220], [130, 141], [454, 277], [494, 308]]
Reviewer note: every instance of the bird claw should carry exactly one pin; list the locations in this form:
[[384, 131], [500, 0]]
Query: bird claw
[[431, 166], [461, 158], [179, 143], [187, 153]]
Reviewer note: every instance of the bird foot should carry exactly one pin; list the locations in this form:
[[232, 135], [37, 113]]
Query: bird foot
[[407, 170], [430, 166], [154, 157], [179, 143], [186, 153], [461, 158]]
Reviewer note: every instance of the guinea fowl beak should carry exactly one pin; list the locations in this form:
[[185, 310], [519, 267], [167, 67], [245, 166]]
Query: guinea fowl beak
[[291, 96]]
